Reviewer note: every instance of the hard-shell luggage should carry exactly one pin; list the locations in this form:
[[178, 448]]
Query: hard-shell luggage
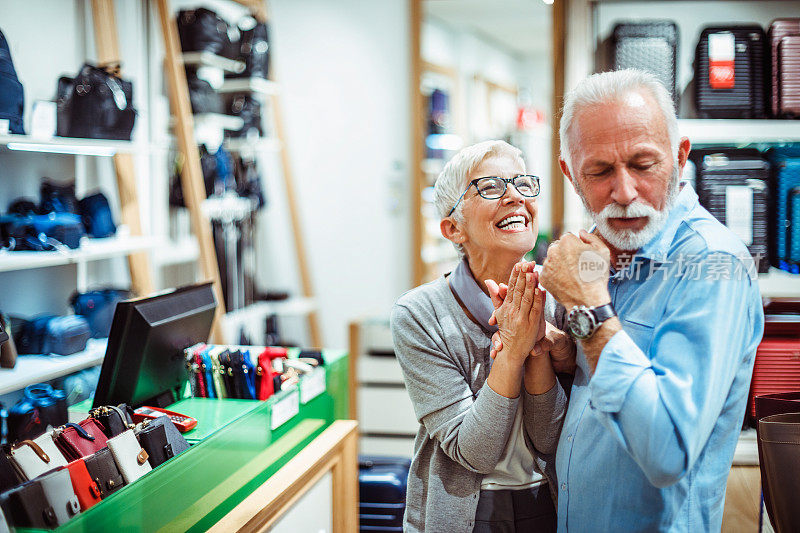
[[785, 67], [785, 234], [733, 184], [730, 72], [382, 485], [651, 46]]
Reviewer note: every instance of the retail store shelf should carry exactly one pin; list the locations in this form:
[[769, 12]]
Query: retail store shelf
[[254, 85], [90, 250], [207, 59], [739, 131], [253, 146], [777, 283], [67, 145], [175, 252], [32, 369], [260, 310], [218, 120]]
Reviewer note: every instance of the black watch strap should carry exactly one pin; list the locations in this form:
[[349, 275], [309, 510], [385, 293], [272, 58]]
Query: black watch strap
[[603, 313]]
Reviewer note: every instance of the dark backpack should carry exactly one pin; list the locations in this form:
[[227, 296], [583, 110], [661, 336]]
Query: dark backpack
[[11, 95]]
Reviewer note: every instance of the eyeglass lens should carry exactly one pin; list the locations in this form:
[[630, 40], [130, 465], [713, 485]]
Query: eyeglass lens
[[493, 187]]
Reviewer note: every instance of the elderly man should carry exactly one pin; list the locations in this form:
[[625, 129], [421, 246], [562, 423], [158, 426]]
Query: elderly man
[[661, 300]]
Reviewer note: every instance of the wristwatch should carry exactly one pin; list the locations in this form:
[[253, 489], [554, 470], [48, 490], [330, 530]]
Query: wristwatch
[[584, 321]]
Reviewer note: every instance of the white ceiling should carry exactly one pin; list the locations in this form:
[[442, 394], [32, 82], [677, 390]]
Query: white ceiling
[[521, 26]]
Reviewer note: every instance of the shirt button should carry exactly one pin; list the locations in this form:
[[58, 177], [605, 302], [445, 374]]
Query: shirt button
[[569, 438], [563, 486]]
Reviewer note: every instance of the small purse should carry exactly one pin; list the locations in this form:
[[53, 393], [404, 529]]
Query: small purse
[[26, 506], [60, 497], [105, 472], [113, 418], [35, 457], [80, 440], [129, 455], [86, 489], [161, 439]]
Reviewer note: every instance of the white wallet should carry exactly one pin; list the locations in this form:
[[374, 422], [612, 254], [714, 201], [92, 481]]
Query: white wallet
[[58, 492], [129, 456], [34, 458]]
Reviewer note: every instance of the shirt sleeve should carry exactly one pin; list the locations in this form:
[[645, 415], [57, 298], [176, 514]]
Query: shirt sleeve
[[471, 431], [662, 403]]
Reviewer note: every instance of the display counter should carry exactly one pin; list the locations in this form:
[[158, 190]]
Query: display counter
[[239, 447]]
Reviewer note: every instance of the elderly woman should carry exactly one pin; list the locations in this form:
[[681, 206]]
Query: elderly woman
[[483, 456]]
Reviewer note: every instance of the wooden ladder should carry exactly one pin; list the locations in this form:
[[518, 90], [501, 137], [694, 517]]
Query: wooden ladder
[[192, 176]]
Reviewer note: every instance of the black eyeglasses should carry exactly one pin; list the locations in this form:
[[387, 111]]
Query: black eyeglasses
[[494, 187]]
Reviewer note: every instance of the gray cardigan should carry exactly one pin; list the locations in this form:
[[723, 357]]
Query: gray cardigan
[[464, 426]]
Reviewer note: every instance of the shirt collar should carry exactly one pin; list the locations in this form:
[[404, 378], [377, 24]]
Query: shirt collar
[[472, 297]]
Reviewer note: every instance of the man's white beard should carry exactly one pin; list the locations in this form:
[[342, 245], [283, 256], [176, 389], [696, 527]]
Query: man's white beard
[[632, 239]]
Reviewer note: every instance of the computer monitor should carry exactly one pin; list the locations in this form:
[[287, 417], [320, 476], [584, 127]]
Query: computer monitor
[[144, 363]]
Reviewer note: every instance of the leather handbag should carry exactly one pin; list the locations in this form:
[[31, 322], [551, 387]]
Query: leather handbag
[[60, 496], [40, 407], [35, 457], [779, 455], [8, 475], [80, 440], [129, 455], [86, 489], [97, 307], [26, 506], [56, 197], [96, 104], [96, 215], [113, 418], [12, 97], [202, 30], [105, 472], [66, 335]]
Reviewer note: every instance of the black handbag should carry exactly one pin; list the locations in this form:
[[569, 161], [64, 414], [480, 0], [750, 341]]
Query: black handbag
[[249, 110], [26, 506], [104, 472], [154, 441], [96, 215], [202, 96], [202, 30], [253, 50], [12, 97], [56, 197], [114, 418], [96, 104]]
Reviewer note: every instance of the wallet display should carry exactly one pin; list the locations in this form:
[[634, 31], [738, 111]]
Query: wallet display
[[80, 440]]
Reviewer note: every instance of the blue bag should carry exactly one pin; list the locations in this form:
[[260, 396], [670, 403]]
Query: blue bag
[[66, 335], [97, 307], [96, 215], [12, 97]]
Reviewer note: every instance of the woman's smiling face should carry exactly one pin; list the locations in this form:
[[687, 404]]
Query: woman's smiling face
[[488, 227]]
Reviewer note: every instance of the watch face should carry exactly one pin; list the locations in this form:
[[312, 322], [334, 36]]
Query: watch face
[[581, 323]]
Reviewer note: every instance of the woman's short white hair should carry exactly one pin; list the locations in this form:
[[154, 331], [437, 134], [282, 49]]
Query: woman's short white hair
[[454, 178], [608, 87]]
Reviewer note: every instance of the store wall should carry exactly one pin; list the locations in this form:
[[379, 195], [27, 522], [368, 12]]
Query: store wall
[[344, 68]]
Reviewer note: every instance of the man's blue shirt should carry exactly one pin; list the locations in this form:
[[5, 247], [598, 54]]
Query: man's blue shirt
[[648, 440]]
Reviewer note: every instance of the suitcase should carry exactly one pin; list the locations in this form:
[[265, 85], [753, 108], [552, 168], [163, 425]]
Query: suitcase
[[382, 483], [785, 227], [730, 72], [650, 46], [789, 77], [779, 29], [733, 185]]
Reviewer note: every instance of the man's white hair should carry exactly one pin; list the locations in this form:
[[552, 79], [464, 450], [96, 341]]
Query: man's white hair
[[454, 178], [609, 87]]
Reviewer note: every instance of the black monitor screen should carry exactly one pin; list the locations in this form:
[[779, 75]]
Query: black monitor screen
[[144, 360]]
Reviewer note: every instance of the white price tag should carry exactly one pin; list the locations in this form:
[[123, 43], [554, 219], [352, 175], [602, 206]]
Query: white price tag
[[739, 212], [312, 385], [284, 409]]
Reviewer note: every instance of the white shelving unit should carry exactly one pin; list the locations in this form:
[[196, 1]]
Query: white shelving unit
[[254, 85], [32, 369], [169, 253], [67, 145], [252, 317], [207, 59], [252, 146], [733, 131], [90, 250]]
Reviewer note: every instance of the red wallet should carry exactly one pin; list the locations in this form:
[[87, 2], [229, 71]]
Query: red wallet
[[265, 373], [86, 489], [82, 439]]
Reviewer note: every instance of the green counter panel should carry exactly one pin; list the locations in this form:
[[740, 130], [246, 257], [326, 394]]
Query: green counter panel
[[238, 452]]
